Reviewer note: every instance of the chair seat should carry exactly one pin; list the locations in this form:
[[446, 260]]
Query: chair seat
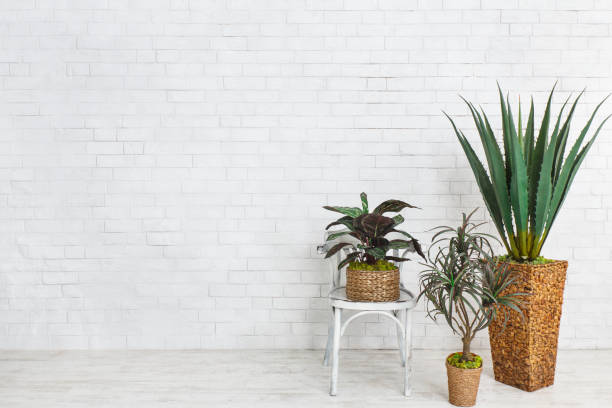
[[338, 298]]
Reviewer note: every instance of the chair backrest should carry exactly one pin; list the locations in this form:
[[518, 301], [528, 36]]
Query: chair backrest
[[337, 277]]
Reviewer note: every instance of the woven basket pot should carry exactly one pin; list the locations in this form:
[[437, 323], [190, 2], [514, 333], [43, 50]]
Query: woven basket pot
[[525, 353], [372, 286], [463, 384]]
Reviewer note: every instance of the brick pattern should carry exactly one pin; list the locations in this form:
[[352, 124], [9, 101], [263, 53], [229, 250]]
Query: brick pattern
[[163, 163]]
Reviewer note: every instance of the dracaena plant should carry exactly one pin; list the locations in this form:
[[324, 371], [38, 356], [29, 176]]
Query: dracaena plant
[[525, 186], [370, 229], [463, 283]]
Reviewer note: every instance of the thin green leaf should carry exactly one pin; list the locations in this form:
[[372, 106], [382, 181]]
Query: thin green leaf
[[350, 211], [364, 202], [333, 250], [347, 221], [391, 206], [396, 258], [335, 235], [349, 258]]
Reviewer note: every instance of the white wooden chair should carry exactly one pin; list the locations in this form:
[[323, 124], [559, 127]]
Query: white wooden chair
[[399, 312]]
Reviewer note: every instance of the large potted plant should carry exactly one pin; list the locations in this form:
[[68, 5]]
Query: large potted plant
[[523, 190], [371, 275], [465, 285]]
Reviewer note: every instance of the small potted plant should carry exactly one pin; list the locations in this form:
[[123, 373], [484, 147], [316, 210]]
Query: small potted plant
[[371, 276], [463, 283]]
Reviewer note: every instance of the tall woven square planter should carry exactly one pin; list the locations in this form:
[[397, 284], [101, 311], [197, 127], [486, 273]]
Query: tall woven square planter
[[525, 353]]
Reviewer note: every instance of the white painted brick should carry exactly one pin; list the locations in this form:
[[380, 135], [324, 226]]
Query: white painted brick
[[161, 178]]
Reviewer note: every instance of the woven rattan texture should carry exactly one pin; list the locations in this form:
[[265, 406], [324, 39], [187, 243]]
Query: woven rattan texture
[[463, 384], [372, 286], [525, 353]]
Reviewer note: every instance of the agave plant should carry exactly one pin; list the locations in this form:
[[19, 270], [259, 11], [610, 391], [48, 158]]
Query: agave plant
[[464, 284], [526, 186], [370, 230]]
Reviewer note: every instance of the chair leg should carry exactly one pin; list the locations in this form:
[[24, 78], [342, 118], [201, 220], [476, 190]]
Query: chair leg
[[330, 339], [400, 338], [408, 351], [336, 351]]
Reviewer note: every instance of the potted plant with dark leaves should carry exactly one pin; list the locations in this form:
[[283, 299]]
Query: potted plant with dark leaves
[[371, 274], [465, 285], [524, 189]]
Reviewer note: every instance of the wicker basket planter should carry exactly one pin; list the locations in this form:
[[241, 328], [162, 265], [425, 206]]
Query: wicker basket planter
[[525, 353], [463, 384], [372, 286]]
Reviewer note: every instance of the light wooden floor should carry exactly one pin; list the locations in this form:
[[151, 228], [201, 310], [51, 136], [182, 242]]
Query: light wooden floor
[[285, 378]]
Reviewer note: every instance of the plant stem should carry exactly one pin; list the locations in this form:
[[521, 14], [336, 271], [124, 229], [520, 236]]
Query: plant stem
[[467, 355]]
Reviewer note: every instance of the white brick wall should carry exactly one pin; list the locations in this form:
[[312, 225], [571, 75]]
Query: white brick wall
[[163, 163]]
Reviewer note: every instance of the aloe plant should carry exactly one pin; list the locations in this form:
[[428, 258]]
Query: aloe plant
[[525, 186], [370, 230]]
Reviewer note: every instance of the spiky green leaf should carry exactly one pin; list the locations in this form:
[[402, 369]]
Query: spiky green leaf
[[525, 189], [484, 184], [518, 184], [544, 192]]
